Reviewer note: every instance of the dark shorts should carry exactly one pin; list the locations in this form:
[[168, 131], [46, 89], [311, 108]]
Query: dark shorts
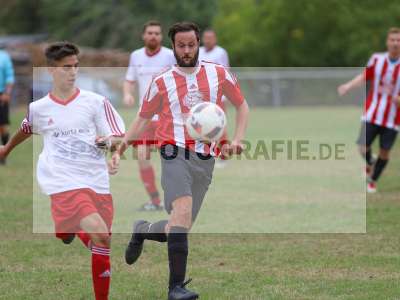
[[4, 114], [184, 173], [369, 131]]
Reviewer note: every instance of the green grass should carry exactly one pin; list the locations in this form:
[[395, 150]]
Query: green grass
[[224, 266]]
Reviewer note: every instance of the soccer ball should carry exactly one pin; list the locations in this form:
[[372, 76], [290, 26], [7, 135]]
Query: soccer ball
[[206, 122]]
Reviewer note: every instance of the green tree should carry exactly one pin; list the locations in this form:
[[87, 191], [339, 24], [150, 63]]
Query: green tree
[[19, 16], [118, 23], [304, 32]]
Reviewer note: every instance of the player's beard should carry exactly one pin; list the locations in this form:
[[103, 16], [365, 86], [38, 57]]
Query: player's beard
[[152, 45], [192, 63]]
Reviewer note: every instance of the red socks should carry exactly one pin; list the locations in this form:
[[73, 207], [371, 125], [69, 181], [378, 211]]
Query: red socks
[[101, 272], [84, 237], [149, 180]]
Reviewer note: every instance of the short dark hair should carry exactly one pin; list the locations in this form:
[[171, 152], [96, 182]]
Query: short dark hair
[[151, 23], [57, 51], [393, 30], [209, 29], [183, 27]]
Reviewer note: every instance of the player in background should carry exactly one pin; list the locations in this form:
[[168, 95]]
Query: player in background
[[381, 116], [187, 165], [6, 86], [211, 52], [72, 169], [145, 63]]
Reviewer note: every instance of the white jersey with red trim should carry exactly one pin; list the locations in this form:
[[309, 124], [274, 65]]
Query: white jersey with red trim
[[143, 66], [69, 159], [380, 106], [217, 55], [173, 93]]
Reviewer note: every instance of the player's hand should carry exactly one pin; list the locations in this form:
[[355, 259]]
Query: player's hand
[[3, 153], [113, 164], [343, 90], [235, 147], [129, 100], [102, 143], [5, 98]]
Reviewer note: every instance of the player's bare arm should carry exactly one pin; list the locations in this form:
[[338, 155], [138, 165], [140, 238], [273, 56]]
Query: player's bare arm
[[242, 115], [107, 143], [357, 81], [104, 142], [129, 89], [15, 140], [133, 133], [6, 96]]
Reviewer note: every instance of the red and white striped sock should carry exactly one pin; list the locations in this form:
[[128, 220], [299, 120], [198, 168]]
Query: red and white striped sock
[[101, 272]]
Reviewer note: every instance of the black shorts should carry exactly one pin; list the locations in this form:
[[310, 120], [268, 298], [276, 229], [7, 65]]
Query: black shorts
[[4, 114], [369, 131], [185, 173]]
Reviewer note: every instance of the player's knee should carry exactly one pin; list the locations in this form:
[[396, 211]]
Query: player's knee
[[181, 218], [182, 212], [101, 239], [94, 224], [384, 154]]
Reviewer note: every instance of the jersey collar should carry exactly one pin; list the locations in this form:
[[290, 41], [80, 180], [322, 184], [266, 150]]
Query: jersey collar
[[149, 54], [66, 101], [196, 70]]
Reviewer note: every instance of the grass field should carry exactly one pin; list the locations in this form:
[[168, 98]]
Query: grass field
[[224, 266]]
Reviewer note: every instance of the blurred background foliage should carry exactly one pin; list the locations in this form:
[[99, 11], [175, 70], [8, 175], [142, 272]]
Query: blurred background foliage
[[268, 33]]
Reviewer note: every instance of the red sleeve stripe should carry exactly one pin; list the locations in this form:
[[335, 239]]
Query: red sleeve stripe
[[111, 119], [116, 129], [147, 95]]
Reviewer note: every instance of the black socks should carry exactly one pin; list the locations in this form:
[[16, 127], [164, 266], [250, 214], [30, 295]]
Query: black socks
[[154, 231], [368, 157], [177, 255], [378, 169]]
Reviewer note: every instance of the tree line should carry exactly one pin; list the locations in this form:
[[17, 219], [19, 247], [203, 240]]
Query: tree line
[[278, 33]]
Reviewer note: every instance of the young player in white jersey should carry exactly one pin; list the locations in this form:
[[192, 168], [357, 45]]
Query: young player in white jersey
[[382, 107], [72, 168], [187, 165], [145, 63]]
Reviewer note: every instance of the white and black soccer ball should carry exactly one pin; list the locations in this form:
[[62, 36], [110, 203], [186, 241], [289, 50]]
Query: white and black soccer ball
[[206, 122]]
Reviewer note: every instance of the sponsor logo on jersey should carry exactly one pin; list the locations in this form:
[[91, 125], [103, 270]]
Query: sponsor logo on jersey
[[192, 98]]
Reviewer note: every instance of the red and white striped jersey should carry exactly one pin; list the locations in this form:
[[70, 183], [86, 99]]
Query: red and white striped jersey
[[380, 106], [172, 93], [69, 159]]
